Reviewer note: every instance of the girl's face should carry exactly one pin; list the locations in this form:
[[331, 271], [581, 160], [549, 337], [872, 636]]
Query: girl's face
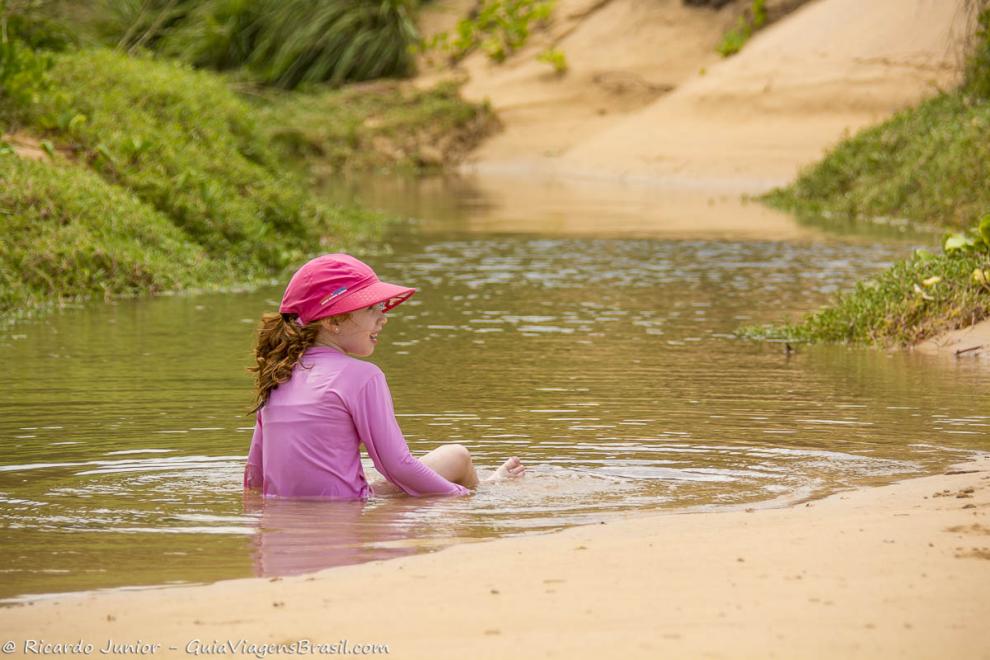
[[358, 333]]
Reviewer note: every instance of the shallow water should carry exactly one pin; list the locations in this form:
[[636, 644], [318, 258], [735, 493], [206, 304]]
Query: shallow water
[[606, 362]]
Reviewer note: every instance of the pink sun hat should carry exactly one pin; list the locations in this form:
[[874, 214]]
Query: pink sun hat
[[335, 284]]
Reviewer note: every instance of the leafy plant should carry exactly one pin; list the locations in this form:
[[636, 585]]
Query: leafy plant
[[500, 28], [913, 300], [733, 40], [974, 243], [555, 58]]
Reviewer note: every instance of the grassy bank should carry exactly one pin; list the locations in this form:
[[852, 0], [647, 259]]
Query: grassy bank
[[915, 299], [927, 165], [159, 177], [152, 175]]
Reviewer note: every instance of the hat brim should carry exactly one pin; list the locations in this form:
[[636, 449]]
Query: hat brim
[[376, 292]]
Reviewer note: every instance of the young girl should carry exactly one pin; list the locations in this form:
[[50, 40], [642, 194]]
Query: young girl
[[316, 404]]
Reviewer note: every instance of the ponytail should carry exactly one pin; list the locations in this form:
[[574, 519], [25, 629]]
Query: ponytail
[[281, 342]]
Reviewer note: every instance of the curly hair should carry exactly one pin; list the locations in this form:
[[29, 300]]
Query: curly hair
[[281, 342]]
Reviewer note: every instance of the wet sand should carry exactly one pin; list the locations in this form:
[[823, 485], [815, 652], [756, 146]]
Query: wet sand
[[900, 570], [972, 343]]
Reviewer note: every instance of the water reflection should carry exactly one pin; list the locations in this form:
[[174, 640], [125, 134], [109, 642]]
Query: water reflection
[[494, 205], [300, 536]]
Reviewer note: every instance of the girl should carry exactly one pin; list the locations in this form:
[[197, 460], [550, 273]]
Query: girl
[[315, 405]]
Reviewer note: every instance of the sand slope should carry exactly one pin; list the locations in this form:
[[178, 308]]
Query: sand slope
[[745, 123]]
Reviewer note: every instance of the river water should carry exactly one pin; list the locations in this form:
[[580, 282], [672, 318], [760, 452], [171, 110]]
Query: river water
[[601, 353]]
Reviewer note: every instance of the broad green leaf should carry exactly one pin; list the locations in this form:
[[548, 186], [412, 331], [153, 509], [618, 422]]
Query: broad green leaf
[[984, 229], [956, 242]]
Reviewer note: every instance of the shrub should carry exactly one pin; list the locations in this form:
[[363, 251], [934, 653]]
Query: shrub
[[733, 40], [378, 126], [279, 42], [22, 70], [499, 28]]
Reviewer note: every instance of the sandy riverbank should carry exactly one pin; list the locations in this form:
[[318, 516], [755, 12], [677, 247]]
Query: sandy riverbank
[[966, 343], [895, 571]]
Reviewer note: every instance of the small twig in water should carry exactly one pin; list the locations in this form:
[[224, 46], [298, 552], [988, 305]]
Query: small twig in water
[[968, 350]]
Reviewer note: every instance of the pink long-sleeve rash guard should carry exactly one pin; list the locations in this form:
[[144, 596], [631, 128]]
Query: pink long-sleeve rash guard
[[307, 436]]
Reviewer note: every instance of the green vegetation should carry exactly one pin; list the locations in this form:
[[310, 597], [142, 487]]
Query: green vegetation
[[913, 300], [376, 126], [123, 173], [22, 70], [160, 178], [499, 28], [285, 43], [555, 58], [69, 233], [927, 165], [978, 65], [181, 142], [733, 40]]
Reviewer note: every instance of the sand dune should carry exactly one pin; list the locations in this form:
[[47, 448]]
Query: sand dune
[[685, 116]]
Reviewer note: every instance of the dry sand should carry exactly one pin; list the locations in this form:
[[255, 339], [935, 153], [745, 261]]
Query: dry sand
[[646, 98], [895, 571]]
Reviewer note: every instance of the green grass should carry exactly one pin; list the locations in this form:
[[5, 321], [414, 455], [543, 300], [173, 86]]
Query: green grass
[[378, 126], [181, 142], [929, 165], [159, 146], [901, 306], [733, 41], [67, 233]]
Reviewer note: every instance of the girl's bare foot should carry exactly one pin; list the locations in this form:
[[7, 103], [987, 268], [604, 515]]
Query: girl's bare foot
[[511, 469]]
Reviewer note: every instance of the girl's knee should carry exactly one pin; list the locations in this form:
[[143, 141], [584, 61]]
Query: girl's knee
[[459, 452]]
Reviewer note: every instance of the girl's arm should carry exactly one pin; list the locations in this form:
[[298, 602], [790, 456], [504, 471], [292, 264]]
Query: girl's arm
[[374, 419], [253, 474]]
